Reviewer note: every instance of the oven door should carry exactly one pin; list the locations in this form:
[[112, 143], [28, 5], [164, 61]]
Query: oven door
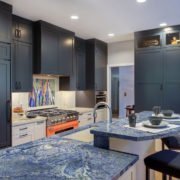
[[55, 129], [101, 98]]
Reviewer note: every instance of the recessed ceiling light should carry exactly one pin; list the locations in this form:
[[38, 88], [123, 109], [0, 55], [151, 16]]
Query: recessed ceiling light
[[163, 24], [167, 29], [74, 17], [141, 1], [111, 34]]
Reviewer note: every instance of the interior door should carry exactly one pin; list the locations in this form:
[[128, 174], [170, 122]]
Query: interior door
[[5, 122]]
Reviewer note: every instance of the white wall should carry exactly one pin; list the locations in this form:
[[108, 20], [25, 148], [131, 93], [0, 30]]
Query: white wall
[[121, 53]]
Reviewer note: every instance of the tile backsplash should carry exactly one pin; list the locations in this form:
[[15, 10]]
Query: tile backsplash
[[63, 99]]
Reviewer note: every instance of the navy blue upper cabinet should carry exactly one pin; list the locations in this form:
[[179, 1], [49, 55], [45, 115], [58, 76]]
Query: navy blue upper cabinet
[[80, 56], [5, 22], [22, 30], [96, 65], [22, 67], [149, 66], [53, 49], [22, 56], [77, 80]]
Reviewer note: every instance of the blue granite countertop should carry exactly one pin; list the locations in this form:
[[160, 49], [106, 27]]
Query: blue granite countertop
[[59, 158], [117, 130]]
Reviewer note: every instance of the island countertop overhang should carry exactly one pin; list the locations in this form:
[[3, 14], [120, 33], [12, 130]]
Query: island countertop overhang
[[117, 130]]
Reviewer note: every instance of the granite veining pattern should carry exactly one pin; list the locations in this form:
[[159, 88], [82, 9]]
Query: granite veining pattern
[[59, 158], [117, 130]]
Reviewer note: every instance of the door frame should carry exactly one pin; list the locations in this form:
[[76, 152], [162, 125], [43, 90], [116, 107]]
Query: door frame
[[109, 66]]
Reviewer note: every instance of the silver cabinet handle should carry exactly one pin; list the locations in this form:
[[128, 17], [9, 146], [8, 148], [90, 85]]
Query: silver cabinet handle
[[23, 129], [23, 135], [40, 122]]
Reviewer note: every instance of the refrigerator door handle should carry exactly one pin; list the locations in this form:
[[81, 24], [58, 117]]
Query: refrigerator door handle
[[8, 110]]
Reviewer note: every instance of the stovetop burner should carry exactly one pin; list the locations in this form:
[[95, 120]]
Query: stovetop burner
[[56, 116]]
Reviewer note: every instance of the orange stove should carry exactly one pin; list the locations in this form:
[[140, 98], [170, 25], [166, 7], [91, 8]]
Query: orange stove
[[54, 129], [58, 120]]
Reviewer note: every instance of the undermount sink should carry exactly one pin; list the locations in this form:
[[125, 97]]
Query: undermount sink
[[83, 135]]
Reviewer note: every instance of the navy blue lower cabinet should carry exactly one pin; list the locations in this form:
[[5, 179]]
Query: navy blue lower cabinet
[[147, 95], [171, 97], [5, 106]]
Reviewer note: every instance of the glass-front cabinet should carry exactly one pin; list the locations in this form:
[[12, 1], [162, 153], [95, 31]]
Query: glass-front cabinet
[[172, 38], [148, 40]]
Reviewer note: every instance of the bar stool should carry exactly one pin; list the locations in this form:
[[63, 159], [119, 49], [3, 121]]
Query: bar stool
[[172, 142], [166, 162]]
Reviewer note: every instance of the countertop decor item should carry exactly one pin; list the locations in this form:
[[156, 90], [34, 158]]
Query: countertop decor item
[[156, 110], [149, 125], [132, 120], [155, 120], [167, 113]]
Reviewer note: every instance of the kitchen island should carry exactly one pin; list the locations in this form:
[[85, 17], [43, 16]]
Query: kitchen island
[[118, 137], [61, 158]]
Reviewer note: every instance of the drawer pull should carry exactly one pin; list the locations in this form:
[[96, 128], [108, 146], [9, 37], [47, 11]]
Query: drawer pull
[[23, 129], [41, 122], [89, 119], [24, 135]]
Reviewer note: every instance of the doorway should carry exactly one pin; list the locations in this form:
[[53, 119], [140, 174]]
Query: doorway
[[121, 89]]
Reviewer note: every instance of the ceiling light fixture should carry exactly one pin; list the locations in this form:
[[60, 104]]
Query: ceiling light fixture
[[111, 34], [141, 1], [74, 17], [163, 24]]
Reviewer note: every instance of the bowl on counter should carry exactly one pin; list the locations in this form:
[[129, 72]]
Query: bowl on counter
[[155, 120], [167, 113]]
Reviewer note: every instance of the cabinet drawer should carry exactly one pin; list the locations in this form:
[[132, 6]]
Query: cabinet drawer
[[18, 130], [86, 118], [5, 51], [40, 130], [22, 138]]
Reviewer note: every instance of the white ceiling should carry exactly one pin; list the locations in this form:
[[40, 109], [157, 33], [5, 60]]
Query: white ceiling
[[97, 18]]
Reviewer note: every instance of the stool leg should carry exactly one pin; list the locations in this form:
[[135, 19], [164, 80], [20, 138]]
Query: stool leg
[[164, 177], [147, 173]]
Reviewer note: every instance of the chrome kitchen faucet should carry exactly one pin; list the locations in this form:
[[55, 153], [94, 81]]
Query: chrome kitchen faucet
[[109, 120]]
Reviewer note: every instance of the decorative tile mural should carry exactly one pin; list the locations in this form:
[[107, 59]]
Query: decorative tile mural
[[43, 92]]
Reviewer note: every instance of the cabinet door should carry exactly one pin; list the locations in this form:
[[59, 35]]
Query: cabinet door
[[22, 67], [149, 79], [5, 51], [149, 66], [5, 118], [172, 79], [66, 53], [101, 67], [147, 95], [5, 25], [49, 51], [22, 29]]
